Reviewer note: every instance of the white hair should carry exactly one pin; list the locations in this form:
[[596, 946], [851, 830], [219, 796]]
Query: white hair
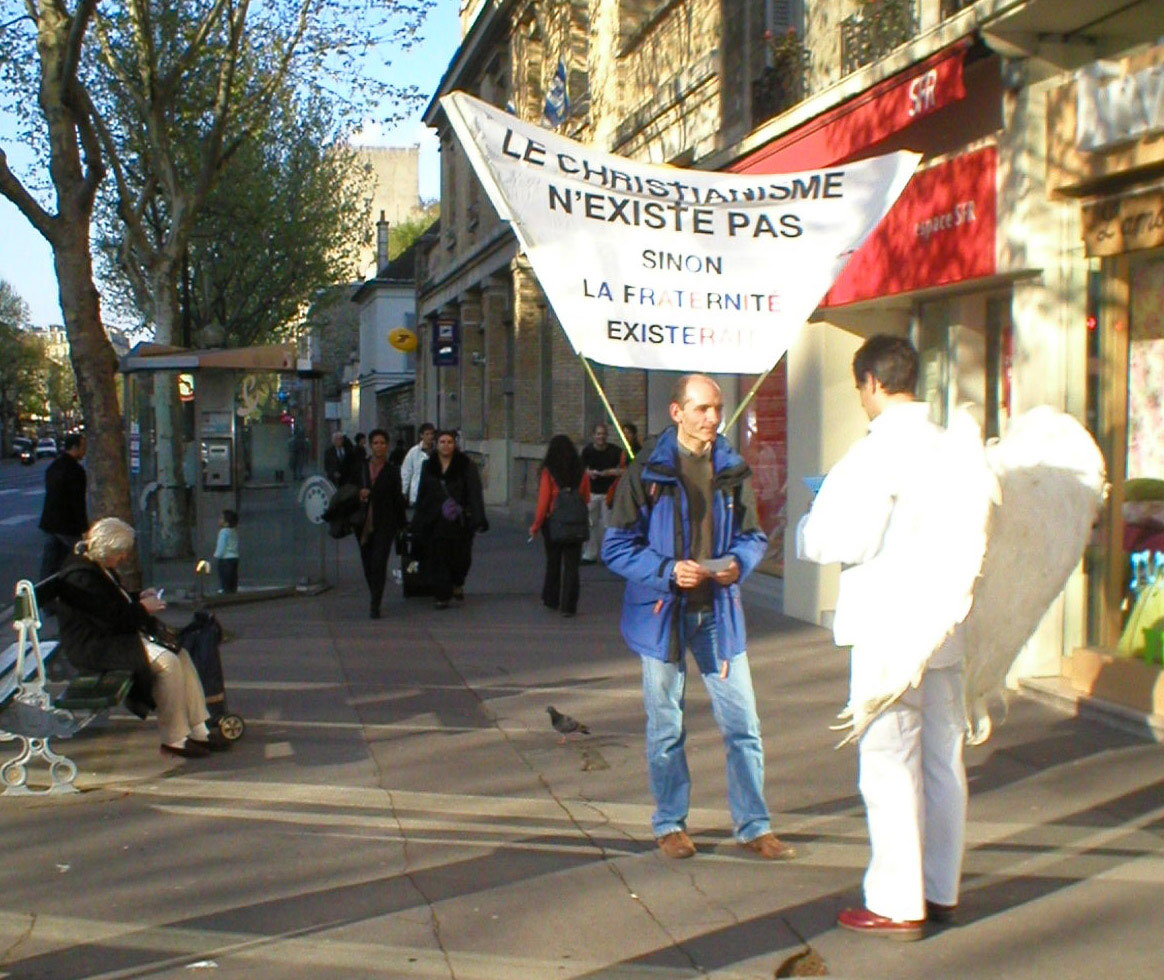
[[108, 537]]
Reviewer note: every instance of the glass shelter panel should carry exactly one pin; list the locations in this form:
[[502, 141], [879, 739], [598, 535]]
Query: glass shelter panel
[[239, 441]]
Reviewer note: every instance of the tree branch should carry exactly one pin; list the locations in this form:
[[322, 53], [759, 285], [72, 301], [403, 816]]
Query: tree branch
[[76, 39], [15, 191]]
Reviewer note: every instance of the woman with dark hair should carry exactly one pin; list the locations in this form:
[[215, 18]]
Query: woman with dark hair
[[380, 493], [450, 509], [562, 470]]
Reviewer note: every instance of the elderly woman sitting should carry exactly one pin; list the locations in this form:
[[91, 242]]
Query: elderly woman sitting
[[104, 627]]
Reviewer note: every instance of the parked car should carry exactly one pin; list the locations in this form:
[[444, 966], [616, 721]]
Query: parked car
[[24, 450], [46, 447]]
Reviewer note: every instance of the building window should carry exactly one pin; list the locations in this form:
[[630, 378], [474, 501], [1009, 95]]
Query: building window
[[877, 28]]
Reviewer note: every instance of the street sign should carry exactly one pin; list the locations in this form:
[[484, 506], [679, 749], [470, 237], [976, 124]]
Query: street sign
[[446, 343]]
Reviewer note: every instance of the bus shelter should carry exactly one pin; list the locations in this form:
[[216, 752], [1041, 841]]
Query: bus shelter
[[215, 430]]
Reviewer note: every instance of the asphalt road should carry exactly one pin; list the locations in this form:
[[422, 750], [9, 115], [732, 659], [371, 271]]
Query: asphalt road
[[21, 499]]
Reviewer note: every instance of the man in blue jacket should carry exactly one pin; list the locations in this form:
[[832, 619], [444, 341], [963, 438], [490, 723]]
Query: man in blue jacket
[[683, 533]]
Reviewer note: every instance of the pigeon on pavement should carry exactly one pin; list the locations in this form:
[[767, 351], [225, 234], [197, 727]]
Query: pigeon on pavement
[[564, 724]]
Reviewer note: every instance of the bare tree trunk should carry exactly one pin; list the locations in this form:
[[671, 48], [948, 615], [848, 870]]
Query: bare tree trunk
[[173, 514], [95, 366]]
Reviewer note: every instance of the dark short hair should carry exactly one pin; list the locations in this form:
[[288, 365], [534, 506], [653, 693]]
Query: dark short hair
[[891, 360], [360, 435], [72, 441], [376, 432], [630, 428], [230, 517], [447, 432], [427, 427]]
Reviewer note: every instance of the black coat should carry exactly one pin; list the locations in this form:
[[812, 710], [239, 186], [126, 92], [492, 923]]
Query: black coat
[[101, 625], [386, 500], [64, 498], [462, 482], [347, 471]]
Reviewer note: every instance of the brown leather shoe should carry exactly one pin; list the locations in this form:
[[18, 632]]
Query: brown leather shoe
[[871, 924], [769, 847], [676, 845], [936, 912]]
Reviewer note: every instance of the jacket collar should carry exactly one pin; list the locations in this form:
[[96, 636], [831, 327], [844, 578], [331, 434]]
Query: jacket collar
[[663, 460]]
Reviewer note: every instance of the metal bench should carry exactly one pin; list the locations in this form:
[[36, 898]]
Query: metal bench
[[30, 714]]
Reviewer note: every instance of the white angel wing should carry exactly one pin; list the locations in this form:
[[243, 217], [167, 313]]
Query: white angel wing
[[1052, 478]]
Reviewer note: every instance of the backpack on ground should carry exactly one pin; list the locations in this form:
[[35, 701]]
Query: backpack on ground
[[569, 521]]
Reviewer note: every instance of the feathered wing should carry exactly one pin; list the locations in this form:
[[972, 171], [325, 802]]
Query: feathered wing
[[948, 501], [1052, 478]]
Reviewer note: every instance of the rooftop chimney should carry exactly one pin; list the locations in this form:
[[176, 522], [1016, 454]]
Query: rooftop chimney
[[381, 243]]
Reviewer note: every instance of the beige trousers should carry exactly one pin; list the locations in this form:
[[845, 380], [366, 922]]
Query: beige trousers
[[177, 693]]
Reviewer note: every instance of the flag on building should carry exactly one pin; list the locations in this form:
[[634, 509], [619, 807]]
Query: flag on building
[[557, 109]]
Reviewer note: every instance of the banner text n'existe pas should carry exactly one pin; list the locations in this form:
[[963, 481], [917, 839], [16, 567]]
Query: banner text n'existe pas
[[657, 267]]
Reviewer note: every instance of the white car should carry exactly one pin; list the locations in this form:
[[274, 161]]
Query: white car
[[46, 447]]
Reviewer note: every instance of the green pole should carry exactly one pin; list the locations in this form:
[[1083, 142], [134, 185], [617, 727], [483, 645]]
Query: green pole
[[630, 453]]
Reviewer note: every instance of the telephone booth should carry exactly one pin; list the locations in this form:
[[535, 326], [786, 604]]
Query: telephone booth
[[224, 430]]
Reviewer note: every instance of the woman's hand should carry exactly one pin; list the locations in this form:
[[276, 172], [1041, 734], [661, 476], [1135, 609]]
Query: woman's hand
[[365, 493], [151, 603]]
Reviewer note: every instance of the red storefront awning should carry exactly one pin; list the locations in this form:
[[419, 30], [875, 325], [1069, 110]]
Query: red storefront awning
[[940, 231], [866, 120]]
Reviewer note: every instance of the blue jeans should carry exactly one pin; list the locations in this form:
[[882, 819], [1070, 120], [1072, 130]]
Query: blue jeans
[[734, 705]]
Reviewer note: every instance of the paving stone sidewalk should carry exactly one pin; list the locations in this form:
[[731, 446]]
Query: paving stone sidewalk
[[400, 808]]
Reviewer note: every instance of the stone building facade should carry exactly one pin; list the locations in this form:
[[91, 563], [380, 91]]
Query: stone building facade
[[983, 262]]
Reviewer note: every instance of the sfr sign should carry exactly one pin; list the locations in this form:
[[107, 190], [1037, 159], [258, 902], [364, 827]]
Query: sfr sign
[[923, 93]]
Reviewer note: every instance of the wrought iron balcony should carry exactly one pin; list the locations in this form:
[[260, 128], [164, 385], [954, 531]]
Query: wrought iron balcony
[[952, 7], [784, 82], [875, 30]]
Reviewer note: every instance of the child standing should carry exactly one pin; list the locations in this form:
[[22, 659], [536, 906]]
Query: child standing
[[226, 552]]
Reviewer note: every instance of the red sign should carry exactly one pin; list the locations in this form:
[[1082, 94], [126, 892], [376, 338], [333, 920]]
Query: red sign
[[940, 231], [866, 120], [765, 447]]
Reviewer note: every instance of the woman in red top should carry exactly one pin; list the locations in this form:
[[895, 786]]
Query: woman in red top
[[562, 467]]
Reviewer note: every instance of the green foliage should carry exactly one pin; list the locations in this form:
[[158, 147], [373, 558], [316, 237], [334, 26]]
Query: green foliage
[[286, 219], [402, 234], [22, 365]]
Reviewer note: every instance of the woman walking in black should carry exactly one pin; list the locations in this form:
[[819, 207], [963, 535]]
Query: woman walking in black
[[562, 469], [380, 493], [450, 509]]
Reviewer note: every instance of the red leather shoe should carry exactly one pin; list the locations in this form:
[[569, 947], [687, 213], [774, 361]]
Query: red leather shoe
[[871, 924], [937, 912]]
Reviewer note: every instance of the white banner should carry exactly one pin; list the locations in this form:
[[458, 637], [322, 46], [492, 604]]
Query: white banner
[[653, 266]]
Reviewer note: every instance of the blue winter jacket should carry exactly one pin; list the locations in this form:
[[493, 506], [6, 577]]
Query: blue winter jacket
[[649, 529]]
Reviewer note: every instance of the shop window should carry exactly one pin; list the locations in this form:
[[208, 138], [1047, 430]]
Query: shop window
[[999, 357], [933, 345], [1125, 403]]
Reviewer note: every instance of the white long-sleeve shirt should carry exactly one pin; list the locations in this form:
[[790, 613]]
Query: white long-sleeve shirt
[[905, 512], [410, 472]]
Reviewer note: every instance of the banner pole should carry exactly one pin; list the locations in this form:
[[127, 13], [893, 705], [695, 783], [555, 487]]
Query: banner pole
[[630, 453], [751, 394]]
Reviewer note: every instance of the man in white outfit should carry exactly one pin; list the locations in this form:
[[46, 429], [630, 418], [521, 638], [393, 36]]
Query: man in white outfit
[[414, 460], [878, 512]]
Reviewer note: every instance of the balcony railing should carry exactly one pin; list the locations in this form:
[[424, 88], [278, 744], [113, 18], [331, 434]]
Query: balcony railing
[[875, 30], [951, 7], [782, 84]]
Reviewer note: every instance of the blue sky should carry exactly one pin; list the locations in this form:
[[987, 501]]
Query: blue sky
[[26, 260]]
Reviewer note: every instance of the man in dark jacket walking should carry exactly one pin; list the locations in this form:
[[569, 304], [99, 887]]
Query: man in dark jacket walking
[[64, 518], [683, 533], [341, 462]]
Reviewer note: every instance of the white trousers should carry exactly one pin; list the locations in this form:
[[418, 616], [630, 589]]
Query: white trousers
[[178, 694], [593, 546], [913, 781]]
